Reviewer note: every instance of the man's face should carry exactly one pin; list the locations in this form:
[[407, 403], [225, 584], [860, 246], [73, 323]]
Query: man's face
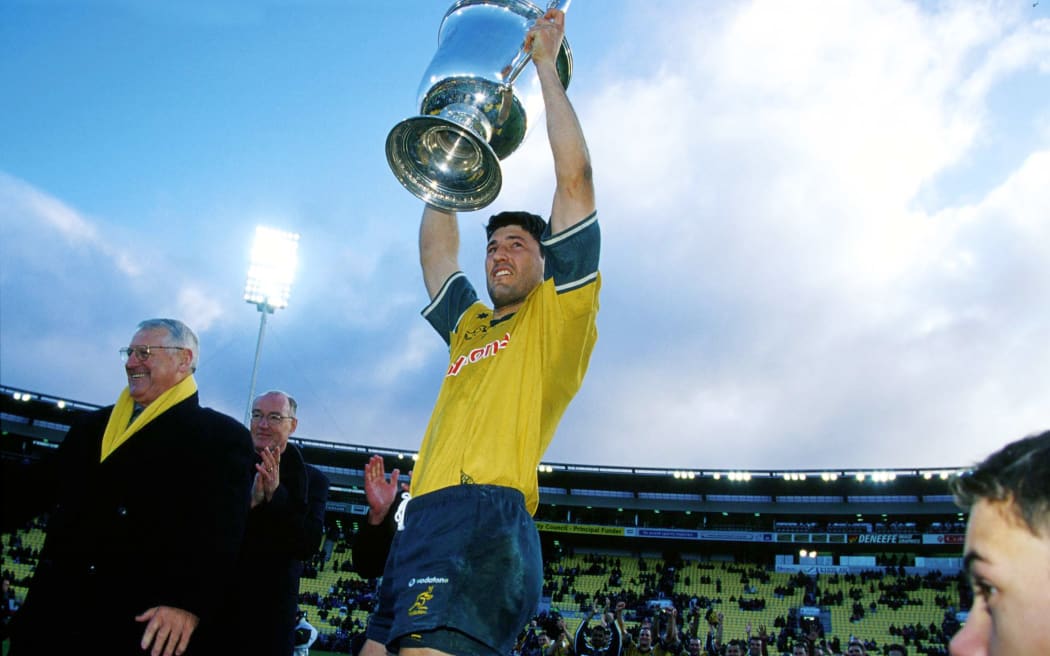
[[598, 636], [1009, 569], [694, 645], [513, 266], [268, 433], [733, 650], [754, 646], [543, 640], [162, 370], [645, 637], [855, 650], [799, 650]]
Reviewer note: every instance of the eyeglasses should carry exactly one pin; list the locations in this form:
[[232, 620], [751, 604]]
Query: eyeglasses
[[271, 418], [143, 352]]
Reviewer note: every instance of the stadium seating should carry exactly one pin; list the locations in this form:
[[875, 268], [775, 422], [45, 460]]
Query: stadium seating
[[694, 579]]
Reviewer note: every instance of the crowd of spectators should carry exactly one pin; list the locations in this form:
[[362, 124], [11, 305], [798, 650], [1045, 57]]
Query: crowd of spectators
[[696, 634], [648, 592], [894, 587]]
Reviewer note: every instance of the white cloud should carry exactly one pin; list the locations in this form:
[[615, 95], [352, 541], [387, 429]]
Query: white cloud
[[760, 192], [199, 308], [408, 354], [1027, 46], [817, 249], [24, 208], [69, 279]]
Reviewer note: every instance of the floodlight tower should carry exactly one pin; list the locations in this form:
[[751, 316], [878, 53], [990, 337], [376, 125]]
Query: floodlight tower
[[274, 258]]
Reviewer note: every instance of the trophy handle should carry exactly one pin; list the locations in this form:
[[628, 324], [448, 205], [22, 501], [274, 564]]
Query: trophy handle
[[522, 59]]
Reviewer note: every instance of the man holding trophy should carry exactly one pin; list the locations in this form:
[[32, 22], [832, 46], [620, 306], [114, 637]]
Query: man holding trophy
[[465, 573]]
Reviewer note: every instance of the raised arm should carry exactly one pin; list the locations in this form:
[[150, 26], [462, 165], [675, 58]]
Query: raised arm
[[671, 632], [438, 247], [574, 191], [620, 606]]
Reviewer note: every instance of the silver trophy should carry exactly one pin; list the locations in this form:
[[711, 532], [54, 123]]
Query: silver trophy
[[475, 102]]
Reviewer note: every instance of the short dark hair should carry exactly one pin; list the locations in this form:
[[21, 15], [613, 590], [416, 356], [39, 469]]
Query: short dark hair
[[531, 223], [1019, 474]]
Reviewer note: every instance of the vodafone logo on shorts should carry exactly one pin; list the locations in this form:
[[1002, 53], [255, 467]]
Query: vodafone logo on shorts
[[429, 580]]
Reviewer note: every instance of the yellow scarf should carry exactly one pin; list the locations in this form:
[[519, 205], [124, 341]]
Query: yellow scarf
[[117, 429]]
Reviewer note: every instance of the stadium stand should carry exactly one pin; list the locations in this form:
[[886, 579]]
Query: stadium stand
[[844, 553]]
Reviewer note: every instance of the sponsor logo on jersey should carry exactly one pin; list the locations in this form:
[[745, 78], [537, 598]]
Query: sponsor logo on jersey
[[478, 354]]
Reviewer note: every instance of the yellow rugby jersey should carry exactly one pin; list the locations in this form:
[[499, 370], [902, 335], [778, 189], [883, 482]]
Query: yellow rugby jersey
[[509, 381]]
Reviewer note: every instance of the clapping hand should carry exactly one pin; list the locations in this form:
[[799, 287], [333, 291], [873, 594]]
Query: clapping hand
[[380, 492]]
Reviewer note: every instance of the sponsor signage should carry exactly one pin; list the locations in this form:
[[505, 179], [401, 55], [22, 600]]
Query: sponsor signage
[[885, 538], [745, 536], [872, 538], [816, 569], [347, 508], [731, 536], [675, 533], [580, 529]]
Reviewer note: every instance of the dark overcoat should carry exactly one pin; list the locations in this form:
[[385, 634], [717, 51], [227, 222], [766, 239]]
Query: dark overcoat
[[281, 534], [159, 523]]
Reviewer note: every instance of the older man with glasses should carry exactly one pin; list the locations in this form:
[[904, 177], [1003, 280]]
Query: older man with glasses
[[285, 527], [148, 500]]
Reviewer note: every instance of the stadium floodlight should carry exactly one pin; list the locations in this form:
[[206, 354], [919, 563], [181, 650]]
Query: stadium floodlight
[[272, 269], [273, 263]]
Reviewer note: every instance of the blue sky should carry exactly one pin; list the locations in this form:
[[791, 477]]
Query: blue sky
[[825, 225]]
